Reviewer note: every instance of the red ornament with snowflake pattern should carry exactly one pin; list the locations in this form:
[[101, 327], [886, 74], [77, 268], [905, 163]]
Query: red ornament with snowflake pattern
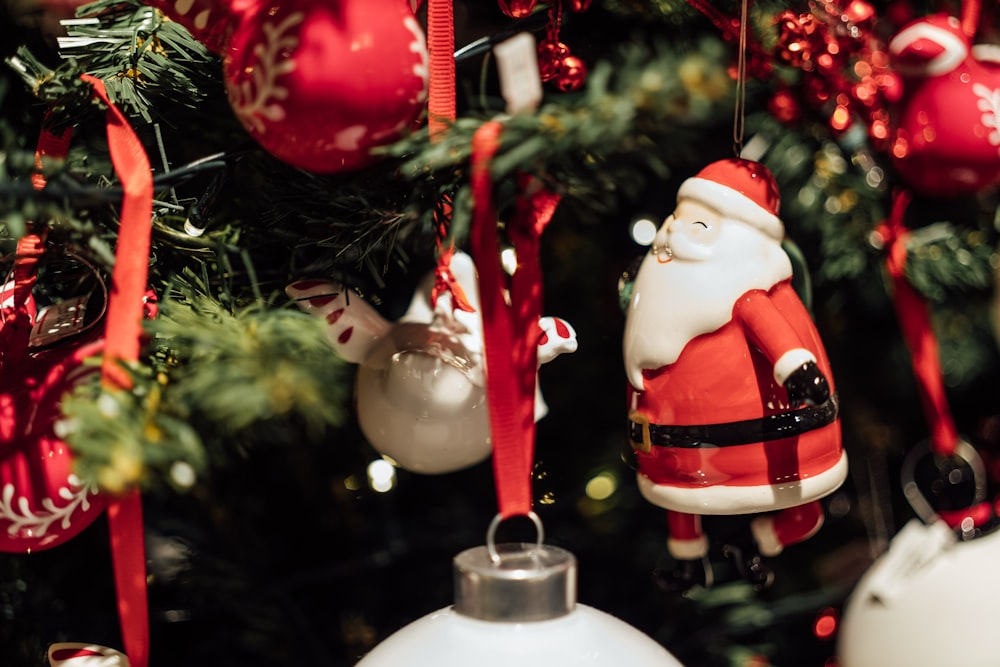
[[946, 129], [317, 84], [42, 502]]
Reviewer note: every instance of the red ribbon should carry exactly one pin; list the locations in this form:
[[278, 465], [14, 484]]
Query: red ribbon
[[441, 111], [49, 145], [510, 332], [914, 317], [123, 331], [441, 52], [444, 281]]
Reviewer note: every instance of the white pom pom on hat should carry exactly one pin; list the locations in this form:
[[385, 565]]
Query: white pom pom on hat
[[739, 189]]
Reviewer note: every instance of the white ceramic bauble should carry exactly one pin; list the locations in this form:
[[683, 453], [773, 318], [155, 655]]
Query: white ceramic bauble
[[420, 396], [586, 636], [944, 613], [420, 393], [518, 607]]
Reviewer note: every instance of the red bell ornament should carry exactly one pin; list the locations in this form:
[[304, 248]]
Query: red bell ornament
[[317, 84], [946, 129]]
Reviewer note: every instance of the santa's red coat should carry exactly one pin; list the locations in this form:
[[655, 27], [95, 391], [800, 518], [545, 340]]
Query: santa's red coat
[[726, 376]]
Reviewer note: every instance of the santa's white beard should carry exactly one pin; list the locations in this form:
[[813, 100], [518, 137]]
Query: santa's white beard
[[676, 301]]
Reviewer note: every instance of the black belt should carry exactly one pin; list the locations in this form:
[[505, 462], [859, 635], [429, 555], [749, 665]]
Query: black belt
[[644, 436]]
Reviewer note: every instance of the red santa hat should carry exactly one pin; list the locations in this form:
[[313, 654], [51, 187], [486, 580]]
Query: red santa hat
[[739, 189]]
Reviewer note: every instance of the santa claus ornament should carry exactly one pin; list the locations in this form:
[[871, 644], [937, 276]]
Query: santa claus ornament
[[732, 405], [946, 129], [420, 392], [317, 84]]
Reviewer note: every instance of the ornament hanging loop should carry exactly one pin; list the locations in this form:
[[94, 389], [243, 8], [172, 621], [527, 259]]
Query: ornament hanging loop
[[491, 534], [739, 113], [964, 452]]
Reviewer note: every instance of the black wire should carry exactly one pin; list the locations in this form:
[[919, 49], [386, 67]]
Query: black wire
[[66, 187], [535, 22]]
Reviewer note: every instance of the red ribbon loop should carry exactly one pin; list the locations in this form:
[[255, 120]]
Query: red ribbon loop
[[441, 53], [914, 317], [123, 331], [510, 332]]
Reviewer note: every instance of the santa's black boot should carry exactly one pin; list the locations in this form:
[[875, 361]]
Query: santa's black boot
[[684, 575], [746, 558]]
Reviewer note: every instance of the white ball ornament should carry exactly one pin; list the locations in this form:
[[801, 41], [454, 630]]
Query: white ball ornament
[[516, 604], [421, 400], [933, 598], [420, 393], [940, 612]]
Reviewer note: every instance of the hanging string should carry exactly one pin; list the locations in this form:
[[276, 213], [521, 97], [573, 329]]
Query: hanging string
[[739, 113], [728, 26]]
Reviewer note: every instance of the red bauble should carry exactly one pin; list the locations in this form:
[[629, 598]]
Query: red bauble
[[42, 502], [517, 9], [550, 57], [579, 5], [317, 84], [945, 137], [572, 74], [784, 106], [860, 14]]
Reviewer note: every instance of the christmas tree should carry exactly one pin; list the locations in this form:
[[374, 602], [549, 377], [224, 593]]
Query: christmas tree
[[277, 529]]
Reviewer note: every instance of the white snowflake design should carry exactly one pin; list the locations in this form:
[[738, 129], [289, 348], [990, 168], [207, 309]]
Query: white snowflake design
[[419, 47], [23, 520], [989, 104], [421, 69], [259, 98]]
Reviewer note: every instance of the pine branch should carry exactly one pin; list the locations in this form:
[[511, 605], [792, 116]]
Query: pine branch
[[215, 384], [634, 118]]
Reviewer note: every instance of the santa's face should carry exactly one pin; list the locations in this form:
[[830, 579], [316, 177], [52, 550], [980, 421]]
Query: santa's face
[[690, 233], [700, 263]]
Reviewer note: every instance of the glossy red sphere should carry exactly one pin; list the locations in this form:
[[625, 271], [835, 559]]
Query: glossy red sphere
[[572, 74], [321, 84], [517, 9], [317, 84], [945, 139], [42, 503]]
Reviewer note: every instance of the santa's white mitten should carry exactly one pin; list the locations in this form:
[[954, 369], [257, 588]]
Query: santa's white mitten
[[807, 385]]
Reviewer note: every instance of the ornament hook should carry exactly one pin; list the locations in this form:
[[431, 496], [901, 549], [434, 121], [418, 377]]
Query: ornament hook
[[911, 489], [491, 534], [739, 114]]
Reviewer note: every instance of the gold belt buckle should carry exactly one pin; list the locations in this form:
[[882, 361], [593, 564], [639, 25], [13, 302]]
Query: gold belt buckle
[[646, 446]]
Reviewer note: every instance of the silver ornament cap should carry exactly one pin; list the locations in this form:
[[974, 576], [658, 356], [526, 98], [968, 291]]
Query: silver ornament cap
[[515, 582]]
